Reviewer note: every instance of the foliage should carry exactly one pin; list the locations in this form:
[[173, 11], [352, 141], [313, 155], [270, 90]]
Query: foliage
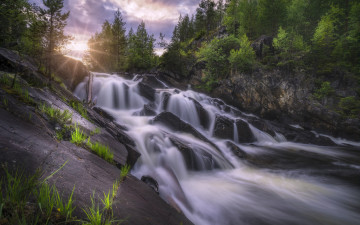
[[350, 107], [216, 55], [101, 150], [79, 107], [124, 171], [243, 59], [141, 54], [325, 91], [77, 136], [64, 117], [96, 131]]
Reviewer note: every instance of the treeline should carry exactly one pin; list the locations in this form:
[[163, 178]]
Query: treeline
[[321, 36], [32, 30], [113, 50]]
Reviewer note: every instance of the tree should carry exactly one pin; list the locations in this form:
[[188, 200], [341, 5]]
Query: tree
[[232, 17], [141, 49], [272, 14], [13, 22], [55, 24], [243, 59], [119, 41]]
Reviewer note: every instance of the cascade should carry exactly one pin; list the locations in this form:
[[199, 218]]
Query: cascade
[[221, 181]]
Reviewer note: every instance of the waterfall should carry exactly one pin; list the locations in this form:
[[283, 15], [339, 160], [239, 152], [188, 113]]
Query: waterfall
[[224, 181]]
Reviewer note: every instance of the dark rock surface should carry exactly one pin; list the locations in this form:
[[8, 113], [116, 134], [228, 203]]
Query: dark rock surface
[[146, 91], [202, 113], [70, 70], [147, 111], [224, 127], [244, 133], [195, 158], [151, 182], [236, 150]]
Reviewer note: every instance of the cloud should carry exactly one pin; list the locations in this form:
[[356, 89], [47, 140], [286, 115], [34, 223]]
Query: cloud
[[87, 16]]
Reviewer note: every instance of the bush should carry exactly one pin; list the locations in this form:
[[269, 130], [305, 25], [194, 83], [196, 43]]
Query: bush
[[325, 90], [350, 107], [216, 55], [243, 59]]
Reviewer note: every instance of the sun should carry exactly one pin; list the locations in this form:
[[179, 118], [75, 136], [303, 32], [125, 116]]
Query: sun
[[78, 46]]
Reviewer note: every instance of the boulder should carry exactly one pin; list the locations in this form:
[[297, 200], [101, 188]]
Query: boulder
[[147, 110], [195, 158], [173, 122], [224, 127], [151, 182], [202, 113], [151, 80], [165, 100], [146, 91], [244, 133], [236, 150]]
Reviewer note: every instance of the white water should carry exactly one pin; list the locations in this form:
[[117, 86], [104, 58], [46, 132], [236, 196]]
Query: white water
[[225, 189]]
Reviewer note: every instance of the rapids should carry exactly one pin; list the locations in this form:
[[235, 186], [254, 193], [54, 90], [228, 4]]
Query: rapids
[[279, 182]]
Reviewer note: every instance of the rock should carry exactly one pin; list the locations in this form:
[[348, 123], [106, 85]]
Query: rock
[[151, 182], [146, 91], [244, 133], [236, 150], [258, 45], [202, 113], [151, 80], [103, 113], [224, 127], [147, 111], [262, 125], [173, 122], [70, 70], [165, 100], [11, 61], [195, 158]]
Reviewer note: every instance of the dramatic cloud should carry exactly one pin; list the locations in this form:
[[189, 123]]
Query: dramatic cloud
[[87, 16]]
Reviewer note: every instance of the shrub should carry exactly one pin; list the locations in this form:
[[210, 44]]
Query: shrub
[[350, 107], [216, 55], [325, 90], [243, 59]]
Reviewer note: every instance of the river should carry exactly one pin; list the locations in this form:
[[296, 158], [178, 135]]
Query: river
[[278, 182]]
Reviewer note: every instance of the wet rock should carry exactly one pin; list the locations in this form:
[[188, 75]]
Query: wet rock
[[244, 133], [262, 125], [103, 113], [151, 182], [146, 91], [165, 100], [151, 80], [224, 127], [195, 158], [132, 155], [173, 122], [236, 150], [202, 113], [147, 111]]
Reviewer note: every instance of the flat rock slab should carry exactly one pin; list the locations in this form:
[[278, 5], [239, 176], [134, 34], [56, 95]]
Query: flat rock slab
[[26, 146]]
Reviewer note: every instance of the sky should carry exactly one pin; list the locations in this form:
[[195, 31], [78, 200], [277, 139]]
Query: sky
[[87, 16]]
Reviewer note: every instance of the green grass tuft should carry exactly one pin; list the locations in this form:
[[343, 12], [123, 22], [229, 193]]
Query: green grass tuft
[[79, 107], [64, 117], [77, 136], [124, 171], [102, 151]]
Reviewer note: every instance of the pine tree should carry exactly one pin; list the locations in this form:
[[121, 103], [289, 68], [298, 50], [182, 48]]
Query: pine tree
[[55, 24], [119, 41]]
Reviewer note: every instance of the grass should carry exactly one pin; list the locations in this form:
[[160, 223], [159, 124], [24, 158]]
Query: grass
[[64, 117], [96, 131], [79, 107], [101, 150], [28, 200], [77, 136], [124, 172], [104, 216]]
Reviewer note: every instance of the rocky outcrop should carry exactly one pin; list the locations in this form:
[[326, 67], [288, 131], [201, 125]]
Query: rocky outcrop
[[202, 113], [258, 45], [70, 70], [224, 128]]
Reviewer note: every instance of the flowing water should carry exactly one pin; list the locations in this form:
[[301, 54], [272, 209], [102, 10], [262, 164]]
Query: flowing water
[[279, 182]]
